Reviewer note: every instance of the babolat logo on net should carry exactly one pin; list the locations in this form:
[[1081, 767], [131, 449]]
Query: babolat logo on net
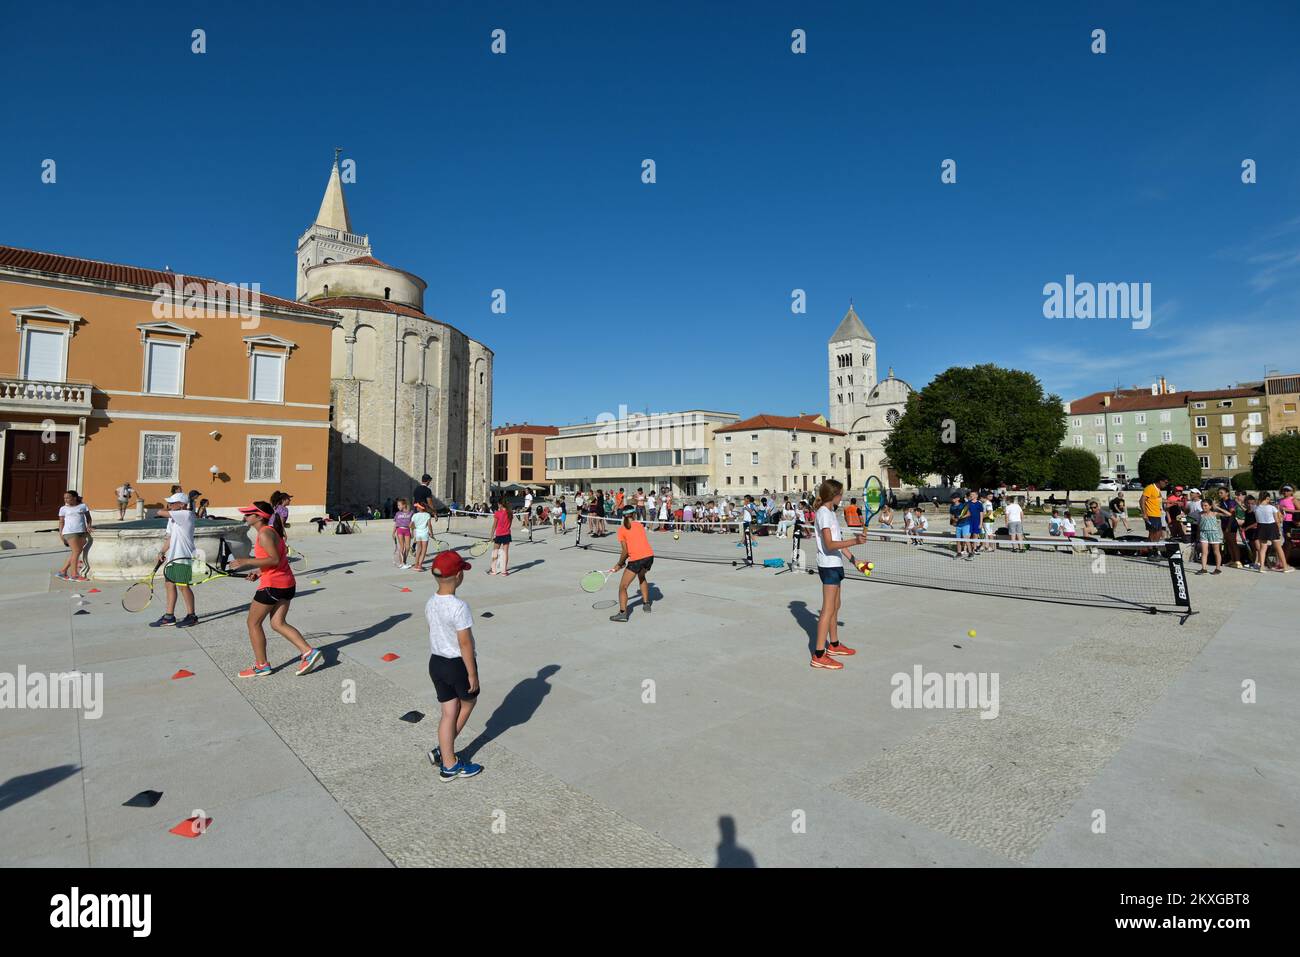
[[78, 910], [958, 691]]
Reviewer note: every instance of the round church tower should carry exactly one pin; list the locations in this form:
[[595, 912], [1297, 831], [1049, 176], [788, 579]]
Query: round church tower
[[411, 395]]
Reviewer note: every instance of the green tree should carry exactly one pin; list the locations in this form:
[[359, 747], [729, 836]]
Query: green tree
[[1244, 482], [1075, 469], [986, 424], [1277, 462], [1178, 462]]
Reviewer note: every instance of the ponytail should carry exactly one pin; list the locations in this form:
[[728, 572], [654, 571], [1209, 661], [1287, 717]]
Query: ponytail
[[827, 491]]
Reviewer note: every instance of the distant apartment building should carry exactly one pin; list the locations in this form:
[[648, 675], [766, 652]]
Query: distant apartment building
[[1283, 397], [1228, 425], [1119, 425], [629, 451], [519, 454], [785, 454]]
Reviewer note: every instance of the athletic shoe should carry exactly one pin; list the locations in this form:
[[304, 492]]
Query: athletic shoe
[[62, 577], [827, 662], [1256, 568], [1284, 571], [166, 621], [189, 621], [970, 557], [435, 757], [1202, 572], [840, 649], [78, 578], [257, 671], [461, 769], [621, 616], [646, 607], [310, 661]]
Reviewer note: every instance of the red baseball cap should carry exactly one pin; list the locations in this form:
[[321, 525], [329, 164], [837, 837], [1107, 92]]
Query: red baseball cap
[[449, 564]]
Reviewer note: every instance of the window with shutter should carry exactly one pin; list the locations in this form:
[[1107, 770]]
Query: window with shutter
[[268, 377], [43, 358], [163, 368]]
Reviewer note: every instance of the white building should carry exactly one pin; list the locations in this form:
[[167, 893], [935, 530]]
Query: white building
[[410, 394], [631, 451], [860, 406], [782, 454]]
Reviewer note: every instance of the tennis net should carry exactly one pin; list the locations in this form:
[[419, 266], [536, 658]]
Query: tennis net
[[1101, 572]]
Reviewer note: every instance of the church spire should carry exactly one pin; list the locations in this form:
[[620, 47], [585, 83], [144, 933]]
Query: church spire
[[333, 208]]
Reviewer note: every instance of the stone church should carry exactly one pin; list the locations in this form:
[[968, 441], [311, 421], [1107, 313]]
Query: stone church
[[410, 394], [861, 406]]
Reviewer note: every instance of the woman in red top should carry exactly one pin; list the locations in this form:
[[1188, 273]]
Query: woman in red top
[[635, 558], [500, 540], [275, 590]]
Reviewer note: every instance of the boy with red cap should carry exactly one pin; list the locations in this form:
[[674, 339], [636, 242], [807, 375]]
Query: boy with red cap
[[452, 665]]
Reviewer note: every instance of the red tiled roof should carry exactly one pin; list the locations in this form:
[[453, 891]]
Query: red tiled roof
[[369, 261], [804, 423], [94, 269], [526, 430], [1126, 400], [1237, 393], [375, 305]]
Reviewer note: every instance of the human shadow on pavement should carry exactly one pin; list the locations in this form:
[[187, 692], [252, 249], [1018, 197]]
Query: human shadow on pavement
[[331, 649], [731, 854], [242, 609], [518, 707], [22, 786]]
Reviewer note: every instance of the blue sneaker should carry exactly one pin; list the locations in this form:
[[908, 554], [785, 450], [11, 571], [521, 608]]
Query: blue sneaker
[[461, 769], [189, 621], [309, 661], [166, 621]]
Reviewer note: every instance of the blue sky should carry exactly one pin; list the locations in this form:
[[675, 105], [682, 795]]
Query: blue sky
[[775, 172]]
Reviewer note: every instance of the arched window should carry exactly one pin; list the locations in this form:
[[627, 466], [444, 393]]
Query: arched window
[[387, 290], [363, 353], [338, 353], [432, 361], [411, 358]]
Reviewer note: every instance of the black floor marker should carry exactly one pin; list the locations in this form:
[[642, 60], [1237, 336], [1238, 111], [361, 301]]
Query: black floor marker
[[413, 717], [144, 799]]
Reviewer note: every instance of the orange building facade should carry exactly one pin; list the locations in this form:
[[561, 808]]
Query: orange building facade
[[113, 374]]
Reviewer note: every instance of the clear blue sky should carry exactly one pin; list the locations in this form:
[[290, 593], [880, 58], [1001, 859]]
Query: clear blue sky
[[775, 171]]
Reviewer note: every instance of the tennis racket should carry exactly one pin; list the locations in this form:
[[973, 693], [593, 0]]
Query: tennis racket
[[139, 595], [595, 581], [479, 549], [195, 571], [873, 498], [397, 551], [296, 558], [438, 545]]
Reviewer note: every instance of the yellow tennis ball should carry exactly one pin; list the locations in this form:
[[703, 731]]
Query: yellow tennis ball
[[870, 565], [971, 633]]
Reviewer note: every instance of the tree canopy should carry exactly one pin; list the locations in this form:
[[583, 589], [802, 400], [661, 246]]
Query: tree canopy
[[1178, 462], [1277, 462], [986, 424]]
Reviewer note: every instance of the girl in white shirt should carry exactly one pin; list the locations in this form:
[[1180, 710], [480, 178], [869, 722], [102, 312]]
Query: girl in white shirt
[[74, 530], [1268, 534], [832, 549]]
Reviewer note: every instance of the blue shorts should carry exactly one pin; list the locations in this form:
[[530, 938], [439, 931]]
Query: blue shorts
[[1154, 525], [963, 531], [831, 576]]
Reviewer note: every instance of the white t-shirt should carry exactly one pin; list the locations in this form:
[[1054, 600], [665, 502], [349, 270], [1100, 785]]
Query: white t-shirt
[[909, 520], [746, 513], [447, 615], [1194, 508], [922, 523], [1014, 512], [420, 524], [74, 518], [826, 519], [1264, 514], [528, 501], [1067, 526], [124, 493], [650, 501], [180, 534], [577, 501]]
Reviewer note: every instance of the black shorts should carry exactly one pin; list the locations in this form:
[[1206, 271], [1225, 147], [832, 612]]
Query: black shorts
[[641, 565], [502, 540], [450, 678], [1267, 532], [273, 596]]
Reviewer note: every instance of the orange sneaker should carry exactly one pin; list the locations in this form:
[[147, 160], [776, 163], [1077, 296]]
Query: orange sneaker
[[826, 661], [840, 649]]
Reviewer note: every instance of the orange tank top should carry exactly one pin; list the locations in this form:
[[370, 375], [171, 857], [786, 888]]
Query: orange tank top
[[277, 576]]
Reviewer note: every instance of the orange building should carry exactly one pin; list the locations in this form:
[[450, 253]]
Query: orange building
[[519, 454], [114, 373]]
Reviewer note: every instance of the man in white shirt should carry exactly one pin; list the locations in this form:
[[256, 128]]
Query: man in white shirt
[[180, 544], [124, 493], [1016, 524], [528, 508], [650, 508]]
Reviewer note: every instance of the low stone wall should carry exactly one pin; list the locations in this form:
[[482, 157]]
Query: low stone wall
[[128, 551]]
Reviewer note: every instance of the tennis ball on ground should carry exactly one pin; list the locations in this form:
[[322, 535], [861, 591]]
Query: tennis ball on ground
[[971, 633]]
